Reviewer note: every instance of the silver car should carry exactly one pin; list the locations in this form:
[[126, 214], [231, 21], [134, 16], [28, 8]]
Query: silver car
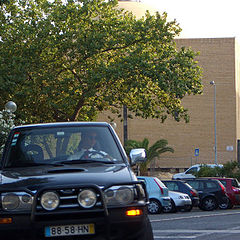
[[157, 193], [179, 202]]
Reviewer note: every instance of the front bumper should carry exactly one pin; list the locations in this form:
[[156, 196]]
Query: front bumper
[[116, 226], [109, 222], [181, 203]]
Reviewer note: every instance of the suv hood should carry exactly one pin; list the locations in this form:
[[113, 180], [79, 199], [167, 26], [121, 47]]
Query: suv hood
[[35, 177]]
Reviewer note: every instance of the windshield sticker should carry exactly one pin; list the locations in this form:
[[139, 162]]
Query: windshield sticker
[[15, 137]]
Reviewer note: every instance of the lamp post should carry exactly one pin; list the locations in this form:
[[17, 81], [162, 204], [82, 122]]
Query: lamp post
[[11, 106], [215, 122], [125, 125]]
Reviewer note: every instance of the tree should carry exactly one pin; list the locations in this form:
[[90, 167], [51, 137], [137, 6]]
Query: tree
[[153, 151], [69, 60], [6, 124]]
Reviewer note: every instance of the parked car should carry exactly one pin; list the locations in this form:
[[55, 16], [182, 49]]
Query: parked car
[[179, 202], [232, 189], [211, 192], [183, 187], [191, 172], [157, 193], [50, 187]]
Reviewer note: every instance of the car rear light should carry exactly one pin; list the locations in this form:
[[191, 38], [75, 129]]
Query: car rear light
[[194, 194], [236, 190], [223, 188], [161, 189]]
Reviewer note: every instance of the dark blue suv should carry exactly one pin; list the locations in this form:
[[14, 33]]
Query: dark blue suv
[[211, 192], [180, 186], [71, 181]]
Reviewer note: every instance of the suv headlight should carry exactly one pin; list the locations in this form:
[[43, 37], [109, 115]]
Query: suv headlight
[[87, 198], [119, 195], [17, 201], [50, 200]]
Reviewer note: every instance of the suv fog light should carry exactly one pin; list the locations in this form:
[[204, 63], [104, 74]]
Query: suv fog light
[[10, 201], [50, 201], [87, 198]]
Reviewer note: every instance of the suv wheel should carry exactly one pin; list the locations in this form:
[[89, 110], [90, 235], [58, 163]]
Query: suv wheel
[[154, 206], [208, 204], [225, 205]]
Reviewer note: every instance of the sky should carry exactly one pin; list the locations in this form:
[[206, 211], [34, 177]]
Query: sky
[[205, 18]]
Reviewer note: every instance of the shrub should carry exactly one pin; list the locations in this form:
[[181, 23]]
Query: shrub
[[229, 169]]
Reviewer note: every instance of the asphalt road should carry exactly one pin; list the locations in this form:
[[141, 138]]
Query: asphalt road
[[197, 224]]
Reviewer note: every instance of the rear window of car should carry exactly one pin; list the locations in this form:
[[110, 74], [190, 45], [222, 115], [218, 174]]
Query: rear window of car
[[211, 184], [172, 186], [198, 185], [235, 183]]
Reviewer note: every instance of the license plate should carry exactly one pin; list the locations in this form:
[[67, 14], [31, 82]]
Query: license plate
[[69, 230]]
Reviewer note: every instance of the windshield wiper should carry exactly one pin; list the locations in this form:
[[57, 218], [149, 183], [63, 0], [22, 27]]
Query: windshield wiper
[[83, 161], [35, 165]]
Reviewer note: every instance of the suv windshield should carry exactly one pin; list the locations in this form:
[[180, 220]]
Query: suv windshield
[[31, 146]]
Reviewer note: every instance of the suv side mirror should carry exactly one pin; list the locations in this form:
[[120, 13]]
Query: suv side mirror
[[137, 155]]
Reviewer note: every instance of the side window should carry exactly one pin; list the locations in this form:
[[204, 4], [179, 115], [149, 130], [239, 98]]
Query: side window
[[210, 184], [172, 186], [192, 170], [175, 187], [235, 183], [194, 184]]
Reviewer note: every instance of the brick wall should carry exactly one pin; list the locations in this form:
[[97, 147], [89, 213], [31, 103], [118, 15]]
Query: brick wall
[[218, 60]]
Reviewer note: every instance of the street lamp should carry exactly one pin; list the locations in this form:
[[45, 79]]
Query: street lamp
[[11, 106], [125, 125], [215, 122]]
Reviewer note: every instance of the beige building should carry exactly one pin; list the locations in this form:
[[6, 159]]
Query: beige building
[[194, 142]]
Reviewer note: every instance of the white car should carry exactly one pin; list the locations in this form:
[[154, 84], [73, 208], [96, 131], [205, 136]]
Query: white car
[[190, 172], [179, 202]]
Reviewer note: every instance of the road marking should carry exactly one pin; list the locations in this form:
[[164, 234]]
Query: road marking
[[199, 216], [197, 231], [181, 234], [176, 237]]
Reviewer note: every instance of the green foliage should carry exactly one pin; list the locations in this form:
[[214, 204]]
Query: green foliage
[[153, 151], [229, 169], [6, 124], [69, 60]]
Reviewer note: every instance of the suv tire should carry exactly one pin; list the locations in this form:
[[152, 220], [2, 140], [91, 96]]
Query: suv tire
[[208, 204]]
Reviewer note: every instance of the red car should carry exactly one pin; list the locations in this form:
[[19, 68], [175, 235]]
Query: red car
[[232, 189]]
